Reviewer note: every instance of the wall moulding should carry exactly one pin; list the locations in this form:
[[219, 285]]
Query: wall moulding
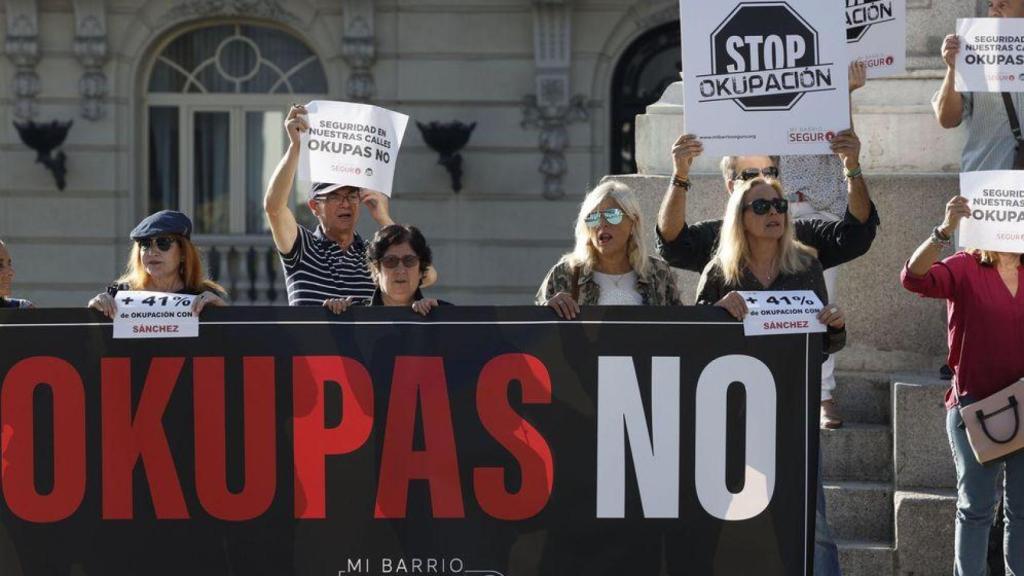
[[22, 48]]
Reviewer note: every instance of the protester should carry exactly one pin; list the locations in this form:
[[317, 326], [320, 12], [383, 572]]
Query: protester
[[990, 144], [609, 264], [983, 291], [163, 259], [836, 242], [401, 265], [758, 251], [816, 190], [6, 279], [329, 262]]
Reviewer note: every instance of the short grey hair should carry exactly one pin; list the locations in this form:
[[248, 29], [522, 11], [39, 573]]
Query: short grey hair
[[728, 166]]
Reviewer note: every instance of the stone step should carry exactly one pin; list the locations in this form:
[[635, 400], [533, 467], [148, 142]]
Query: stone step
[[860, 510], [864, 398], [866, 558], [923, 459], [857, 452], [924, 530]]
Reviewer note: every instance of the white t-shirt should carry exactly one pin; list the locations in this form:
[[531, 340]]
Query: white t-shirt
[[618, 289]]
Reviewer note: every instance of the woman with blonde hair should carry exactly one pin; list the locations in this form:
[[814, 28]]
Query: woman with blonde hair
[[610, 264], [758, 250], [163, 259], [985, 305]]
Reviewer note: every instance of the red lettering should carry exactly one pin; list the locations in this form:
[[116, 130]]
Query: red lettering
[[211, 445], [422, 378], [517, 435], [127, 439], [17, 411], [312, 440]]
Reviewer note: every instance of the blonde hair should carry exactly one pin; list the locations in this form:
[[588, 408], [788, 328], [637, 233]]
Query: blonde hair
[[733, 252], [191, 269], [988, 257], [584, 254]]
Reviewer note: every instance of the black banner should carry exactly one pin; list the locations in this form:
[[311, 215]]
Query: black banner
[[476, 441]]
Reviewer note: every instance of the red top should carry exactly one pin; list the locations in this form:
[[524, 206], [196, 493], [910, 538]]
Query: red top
[[986, 323]]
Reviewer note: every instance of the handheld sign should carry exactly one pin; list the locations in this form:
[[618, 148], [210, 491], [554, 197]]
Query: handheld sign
[[143, 314], [876, 34], [991, 57], [997, 211], [782, 312], [354, 144], [764, 77]]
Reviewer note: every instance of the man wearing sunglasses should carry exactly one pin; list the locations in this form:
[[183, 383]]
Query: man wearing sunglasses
[[329, 262]]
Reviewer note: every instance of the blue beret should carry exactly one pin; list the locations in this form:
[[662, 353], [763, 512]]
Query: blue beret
[[162, 223]]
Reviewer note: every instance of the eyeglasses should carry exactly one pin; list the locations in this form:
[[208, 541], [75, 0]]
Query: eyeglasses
[[612, 216], [334, 197], [163, 243], [751, 173], [409, 261], [761, 206]]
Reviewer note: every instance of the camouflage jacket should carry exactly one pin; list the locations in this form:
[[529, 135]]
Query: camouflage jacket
[[657, 288]]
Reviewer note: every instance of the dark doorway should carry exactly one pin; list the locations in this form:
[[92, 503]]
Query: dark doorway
[[646, 68]]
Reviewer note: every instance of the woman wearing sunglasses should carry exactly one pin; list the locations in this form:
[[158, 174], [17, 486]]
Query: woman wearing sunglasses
[[163, 259], [758, 251], [610, 264], [6, 279], [400, 264]]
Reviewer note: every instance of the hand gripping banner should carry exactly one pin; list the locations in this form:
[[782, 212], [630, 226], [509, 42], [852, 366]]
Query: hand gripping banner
[[476, 441]]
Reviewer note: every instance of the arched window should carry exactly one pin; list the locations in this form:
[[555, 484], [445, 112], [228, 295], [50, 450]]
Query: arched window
[[646, 68], [215, 105]]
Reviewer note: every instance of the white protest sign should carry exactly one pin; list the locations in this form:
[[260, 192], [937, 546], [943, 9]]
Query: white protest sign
[[876, 34], [997, 211], [764, 77], [781, 312], [991, 57], [354, 144], [143, 314]]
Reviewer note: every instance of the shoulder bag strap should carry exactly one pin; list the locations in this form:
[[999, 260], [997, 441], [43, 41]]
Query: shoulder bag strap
[[1011, 111], [576, 284]]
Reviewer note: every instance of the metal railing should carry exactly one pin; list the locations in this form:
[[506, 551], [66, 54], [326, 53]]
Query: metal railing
[[247, 266]]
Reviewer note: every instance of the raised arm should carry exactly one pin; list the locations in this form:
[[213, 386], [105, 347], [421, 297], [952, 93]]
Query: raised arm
[[672, 215], [949, 106], [846, 145], [275, 202], [928, 252]]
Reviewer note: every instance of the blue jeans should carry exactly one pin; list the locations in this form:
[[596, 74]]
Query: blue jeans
[[826, 553], [977, 501]]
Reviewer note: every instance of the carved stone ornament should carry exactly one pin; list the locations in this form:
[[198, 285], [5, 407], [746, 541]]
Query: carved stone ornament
[[554, 136], [269, 9], [91, 50], [22, 48], [551, 109], [359, 50]]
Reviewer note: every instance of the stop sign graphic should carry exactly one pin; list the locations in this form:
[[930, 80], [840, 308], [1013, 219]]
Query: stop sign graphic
[[759, 38]]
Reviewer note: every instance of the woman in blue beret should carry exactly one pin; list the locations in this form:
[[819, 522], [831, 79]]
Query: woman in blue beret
[[6, 279], [163, 259]]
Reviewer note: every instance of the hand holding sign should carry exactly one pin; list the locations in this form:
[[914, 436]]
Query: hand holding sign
[[296, 123]]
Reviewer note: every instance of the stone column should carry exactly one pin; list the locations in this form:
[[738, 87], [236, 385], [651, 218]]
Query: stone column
[[359, 50], [91, 50]]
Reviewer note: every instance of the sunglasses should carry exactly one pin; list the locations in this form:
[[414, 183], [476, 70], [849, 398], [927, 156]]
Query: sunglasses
[[163, 243], [751, 173], [612, 216], [762, 206], [409, 261], [332, 197]]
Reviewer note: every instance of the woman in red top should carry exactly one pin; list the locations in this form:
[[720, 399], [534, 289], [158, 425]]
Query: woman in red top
[[986, 352]]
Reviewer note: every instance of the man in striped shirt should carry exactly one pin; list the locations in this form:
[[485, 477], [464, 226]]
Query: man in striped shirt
[[329, 262]]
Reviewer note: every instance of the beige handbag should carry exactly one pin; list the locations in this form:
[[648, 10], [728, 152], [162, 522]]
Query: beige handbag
[[994, 424]]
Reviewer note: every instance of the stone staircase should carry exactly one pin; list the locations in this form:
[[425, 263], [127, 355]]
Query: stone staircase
[[888, 476]]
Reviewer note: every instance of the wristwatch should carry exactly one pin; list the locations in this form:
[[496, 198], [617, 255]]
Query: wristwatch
[[940, 239], [683, 183]]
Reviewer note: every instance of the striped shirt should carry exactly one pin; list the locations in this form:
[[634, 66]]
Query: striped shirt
[[317, 268]]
